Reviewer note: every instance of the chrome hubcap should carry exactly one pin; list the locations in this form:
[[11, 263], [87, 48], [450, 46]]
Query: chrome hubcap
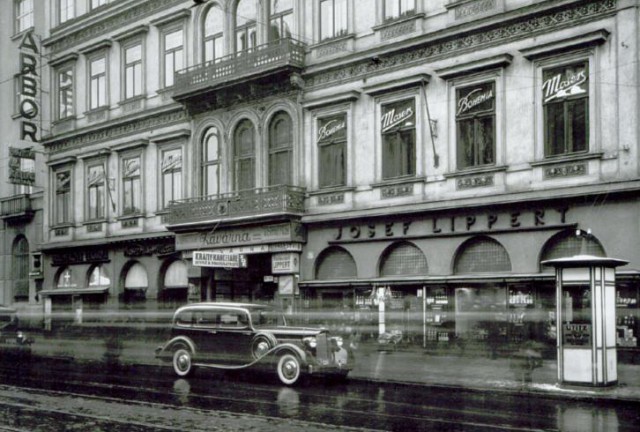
[[290, 369]]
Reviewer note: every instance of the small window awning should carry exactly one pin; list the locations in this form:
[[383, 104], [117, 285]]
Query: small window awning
[[74, 291]]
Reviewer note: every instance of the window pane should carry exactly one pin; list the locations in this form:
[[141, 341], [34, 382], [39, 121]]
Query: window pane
[[554, 122], [332, 170], [173, 40], [484, 139], [246, 13], [465, 143], [340, 17], [391, 8], [133, 54], [326, 19], [577, 124], [168, 70], [211, 185], [278, 6]]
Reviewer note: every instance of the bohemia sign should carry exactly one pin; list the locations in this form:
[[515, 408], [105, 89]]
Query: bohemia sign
[[21, 164]]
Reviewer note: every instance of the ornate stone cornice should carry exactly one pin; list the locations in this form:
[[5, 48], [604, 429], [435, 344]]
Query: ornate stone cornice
[[67, 38], [112, 131], [465, 42]]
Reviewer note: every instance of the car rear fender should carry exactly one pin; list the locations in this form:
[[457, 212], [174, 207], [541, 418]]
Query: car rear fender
[[176, 341], [269, 336]]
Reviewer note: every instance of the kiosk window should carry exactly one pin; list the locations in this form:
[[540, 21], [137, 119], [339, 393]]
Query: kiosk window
[[576, 315]]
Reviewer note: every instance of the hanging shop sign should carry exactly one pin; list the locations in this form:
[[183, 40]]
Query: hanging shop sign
[[22, 166], [217, 259], [283, 263]]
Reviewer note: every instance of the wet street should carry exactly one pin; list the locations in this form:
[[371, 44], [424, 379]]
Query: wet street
[[63, 395]]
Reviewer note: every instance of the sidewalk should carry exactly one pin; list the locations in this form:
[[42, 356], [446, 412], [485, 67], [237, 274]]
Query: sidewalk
[[404, 366]]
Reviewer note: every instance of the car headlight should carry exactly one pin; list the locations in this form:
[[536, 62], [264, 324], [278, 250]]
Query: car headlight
[[337, 341], [21, 337], [310, 341]]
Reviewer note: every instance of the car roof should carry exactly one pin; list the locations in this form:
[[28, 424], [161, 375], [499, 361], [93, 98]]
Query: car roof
[[209, 305]]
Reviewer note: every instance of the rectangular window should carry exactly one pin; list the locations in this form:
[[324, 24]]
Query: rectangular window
[[398, 127], [63, 197], [131, 187], [397, 8], [475, 125], [171, 176], [332, 151], [96, 189], [333, 19], [565, 98], [133, 71], [281, 19], [211, 162], [98, 83], [65, 93], [66, 10], [97, 3], [24, 15], [173, 56]]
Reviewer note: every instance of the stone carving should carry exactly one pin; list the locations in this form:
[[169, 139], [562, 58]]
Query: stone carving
[[566, 170], [396, 191], [476, 181]]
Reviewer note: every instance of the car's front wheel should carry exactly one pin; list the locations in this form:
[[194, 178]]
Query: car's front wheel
[[183, 361], [289, 369]]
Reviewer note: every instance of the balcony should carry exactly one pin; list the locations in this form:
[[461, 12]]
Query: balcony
[[16, 208], [263, 203], [281, 57]]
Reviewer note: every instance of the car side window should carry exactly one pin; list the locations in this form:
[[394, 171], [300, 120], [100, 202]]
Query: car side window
[[184, 319], [234, 320], [207, 319]]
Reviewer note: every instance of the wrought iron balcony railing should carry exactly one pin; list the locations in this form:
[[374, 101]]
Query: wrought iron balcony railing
[[263, 59], [273, 200], [17, 207]]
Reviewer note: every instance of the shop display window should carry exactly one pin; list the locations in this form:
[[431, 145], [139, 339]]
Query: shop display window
[[626, 316]]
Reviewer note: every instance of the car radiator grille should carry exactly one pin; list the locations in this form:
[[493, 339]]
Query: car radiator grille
[[323, 352]]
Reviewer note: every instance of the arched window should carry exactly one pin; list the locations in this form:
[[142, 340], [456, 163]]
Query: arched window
[[214, 33], [98, 277], [481, 255], [568, 244], [64, 279], [176, 275], [136, 283], [211, 162], [244, 156], [280, 150], [245, 18], [403, 258], [281, 19], [335, 263], [20, 269]]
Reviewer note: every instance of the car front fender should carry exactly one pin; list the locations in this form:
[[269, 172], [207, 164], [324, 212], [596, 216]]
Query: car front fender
[[290, 348]]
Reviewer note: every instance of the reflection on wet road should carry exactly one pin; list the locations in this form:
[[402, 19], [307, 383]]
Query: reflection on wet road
[[94, 398]]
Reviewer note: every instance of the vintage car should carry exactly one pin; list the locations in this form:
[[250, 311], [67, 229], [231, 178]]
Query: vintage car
[[234, 336], [13, 341]]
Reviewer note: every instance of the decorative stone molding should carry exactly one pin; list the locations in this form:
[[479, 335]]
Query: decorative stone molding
[[469, 10], [398, 27], [499, 61], [526, 27], [565, 170], [99, 115], [129, 223], [116, 130], [92, 28], [584, 40], [132, 105], [68, 58], [94, 227], [331, 199], [132, 32], [333, 46], [471, 182], [394, 191]]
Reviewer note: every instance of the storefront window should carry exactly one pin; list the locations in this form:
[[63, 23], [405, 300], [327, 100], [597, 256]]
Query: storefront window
[[20, 268], [398, 128], [65, 279], [565, 96], [335, 263], [403, 259], [135, 283], [99, 277], [482, 255]]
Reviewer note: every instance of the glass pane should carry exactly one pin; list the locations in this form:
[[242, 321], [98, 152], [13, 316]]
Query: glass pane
[[211, 146], [246, 13], [214, 21], [341, 18], [408, 6], [485, 140], [278, 6], [280, 168], [211, 181], [129, 82], [97, 67], [465, 143], [173, 40], [390, 8], [245, 174], [168, 70], [326, 19], [577, 124], [133, 54], [554, 124]]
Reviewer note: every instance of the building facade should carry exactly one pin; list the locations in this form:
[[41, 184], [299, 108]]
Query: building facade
[[405, 164], [22, 179]]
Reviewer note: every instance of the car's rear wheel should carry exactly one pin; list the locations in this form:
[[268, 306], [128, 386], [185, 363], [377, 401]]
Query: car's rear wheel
[[289, 369], [260, 346], [183, 361]]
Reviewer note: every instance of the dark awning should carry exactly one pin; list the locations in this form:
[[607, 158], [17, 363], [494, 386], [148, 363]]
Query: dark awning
[[74, 291]]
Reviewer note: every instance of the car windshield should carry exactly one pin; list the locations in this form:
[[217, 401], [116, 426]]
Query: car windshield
[[267, 318]]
